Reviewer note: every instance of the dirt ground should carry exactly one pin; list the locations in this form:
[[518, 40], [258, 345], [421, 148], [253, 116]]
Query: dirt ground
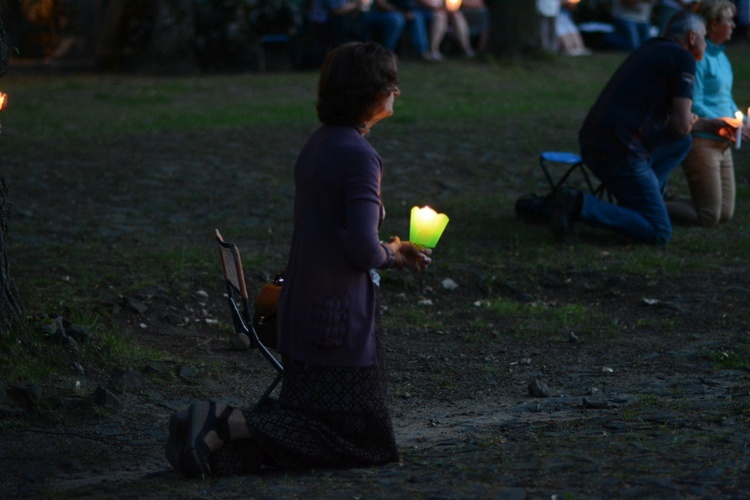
[[631, 412]]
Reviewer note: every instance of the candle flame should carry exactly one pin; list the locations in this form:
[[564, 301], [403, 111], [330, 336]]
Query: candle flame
[[453, 5], [426, 226], [738, 120], [3, 100]]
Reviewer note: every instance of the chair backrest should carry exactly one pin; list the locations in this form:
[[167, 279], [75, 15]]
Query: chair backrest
[[572, 163], [234, 278], [232, 265]]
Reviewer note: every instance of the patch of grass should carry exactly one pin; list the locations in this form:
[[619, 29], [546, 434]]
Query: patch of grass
[[37, 357], [507, 308], [19, 362], [127, 352], [736, 358], [135, 104], [403, 314], [633, 412], [554, 321]]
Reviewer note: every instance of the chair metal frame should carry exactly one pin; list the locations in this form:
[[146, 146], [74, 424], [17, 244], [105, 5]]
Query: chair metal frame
[[574, 163], [239, 306]]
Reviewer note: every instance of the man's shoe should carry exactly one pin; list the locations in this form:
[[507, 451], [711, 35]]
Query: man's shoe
[[568, 204]]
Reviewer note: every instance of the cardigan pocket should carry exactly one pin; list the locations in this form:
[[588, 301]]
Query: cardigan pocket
[[330, 321]]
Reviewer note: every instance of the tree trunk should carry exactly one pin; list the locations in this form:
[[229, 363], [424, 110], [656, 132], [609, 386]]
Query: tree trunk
[[147, 35], [4, 50], [515, 27], [10, 309]]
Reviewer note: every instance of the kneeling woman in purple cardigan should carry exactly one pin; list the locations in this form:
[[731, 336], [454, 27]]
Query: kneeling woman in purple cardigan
[[332, 409]]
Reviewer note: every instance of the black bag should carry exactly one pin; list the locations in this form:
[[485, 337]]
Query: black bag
[[534, 208], [264, 311]]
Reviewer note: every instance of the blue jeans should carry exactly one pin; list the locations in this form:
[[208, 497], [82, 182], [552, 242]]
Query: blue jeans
[[637, 186], [390, 26], [418, 27], [628, 35]]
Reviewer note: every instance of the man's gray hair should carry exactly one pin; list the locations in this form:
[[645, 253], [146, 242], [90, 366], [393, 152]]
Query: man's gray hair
[[681, 24]]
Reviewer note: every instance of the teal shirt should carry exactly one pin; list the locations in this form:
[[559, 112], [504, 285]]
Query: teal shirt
[[712, 93]]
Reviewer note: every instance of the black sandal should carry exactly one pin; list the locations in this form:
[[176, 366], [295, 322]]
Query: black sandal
[[202, 419], [178, 429]]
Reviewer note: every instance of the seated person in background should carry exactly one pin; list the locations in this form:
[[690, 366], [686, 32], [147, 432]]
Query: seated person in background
[[569, 39], [709, 168], [632, 20], [478, 17], [386, 26], [636, 133], [441, 19], [334, 22], [389, 25], [547, 11], [668, 8], [416, 22]]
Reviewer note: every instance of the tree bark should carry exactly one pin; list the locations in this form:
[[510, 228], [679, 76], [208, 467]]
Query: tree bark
[[147, 35], [10, 309], [11, 315], [4, 50], [515, 27]]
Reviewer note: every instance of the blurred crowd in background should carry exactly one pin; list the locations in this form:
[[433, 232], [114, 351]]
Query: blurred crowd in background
[[617, 24], [247, 34]]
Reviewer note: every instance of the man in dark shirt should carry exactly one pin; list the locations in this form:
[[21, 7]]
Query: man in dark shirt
[[636, 133]]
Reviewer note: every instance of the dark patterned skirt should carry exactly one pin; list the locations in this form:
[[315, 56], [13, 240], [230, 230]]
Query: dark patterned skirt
[[325, 417]]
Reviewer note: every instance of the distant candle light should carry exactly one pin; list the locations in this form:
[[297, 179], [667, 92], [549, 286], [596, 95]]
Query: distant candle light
[[453, 5]]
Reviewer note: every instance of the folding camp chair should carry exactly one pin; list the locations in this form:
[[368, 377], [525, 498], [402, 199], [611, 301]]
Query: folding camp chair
[[240, 308], [572, 163], [535, 208]]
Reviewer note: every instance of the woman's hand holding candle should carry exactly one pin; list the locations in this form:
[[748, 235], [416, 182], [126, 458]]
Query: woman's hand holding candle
[[409, 255]]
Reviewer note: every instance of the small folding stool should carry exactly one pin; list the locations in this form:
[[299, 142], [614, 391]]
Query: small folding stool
[[572, 163]]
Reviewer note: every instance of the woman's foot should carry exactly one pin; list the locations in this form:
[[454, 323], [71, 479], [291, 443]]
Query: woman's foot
[[206, 432]]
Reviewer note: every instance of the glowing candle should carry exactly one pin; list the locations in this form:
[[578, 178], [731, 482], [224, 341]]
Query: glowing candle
[[3, 100], [426, 226], [453, 5], [740, 121]]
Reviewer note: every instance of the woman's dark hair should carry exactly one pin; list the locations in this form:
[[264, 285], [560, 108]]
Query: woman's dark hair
[[353, 79]]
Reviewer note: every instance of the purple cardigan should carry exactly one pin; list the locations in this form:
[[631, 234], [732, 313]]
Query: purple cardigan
[[327, 305]]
